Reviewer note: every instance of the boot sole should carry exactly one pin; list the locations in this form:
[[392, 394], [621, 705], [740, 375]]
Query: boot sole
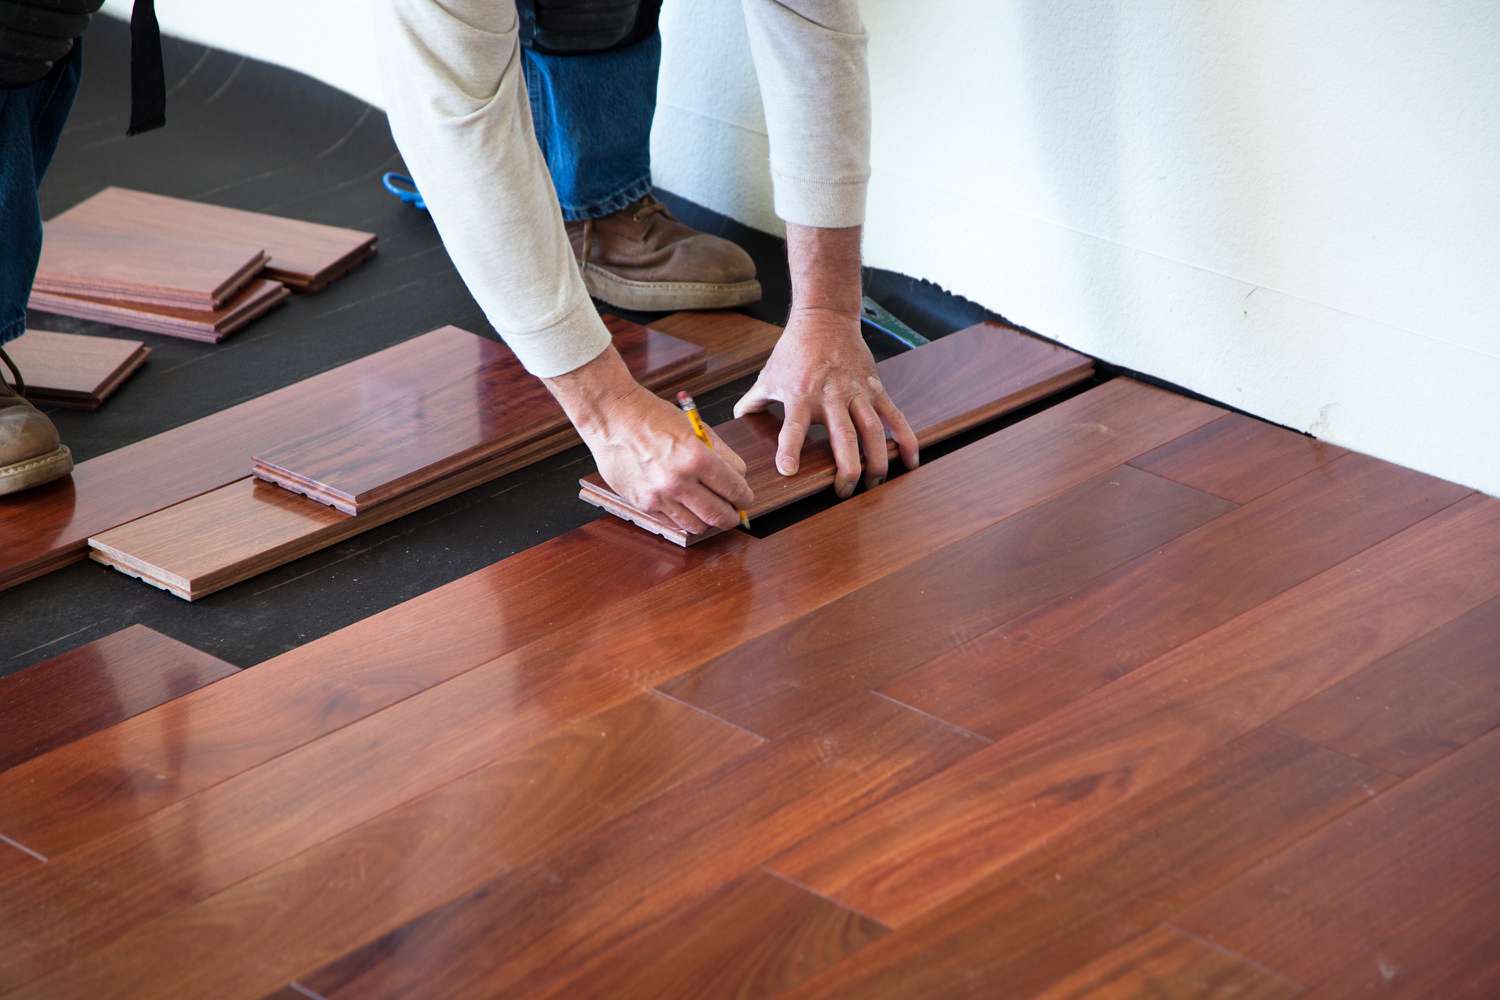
[[666, 296], [36, 471]]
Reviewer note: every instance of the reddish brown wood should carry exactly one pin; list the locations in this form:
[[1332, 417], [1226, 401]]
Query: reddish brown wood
[[1168, 963], [248, 304], [94, 686], [64, 369], [1097, 887], [913, 853], [481, 406], [304, 255], [1040, 662], [772, 683], [950, 385], [1238, 458], [523, 804], [1333, 899], [734, 345], [1416, 705]]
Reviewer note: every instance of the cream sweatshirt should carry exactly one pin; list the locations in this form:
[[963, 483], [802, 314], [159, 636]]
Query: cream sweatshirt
[[458, 109]]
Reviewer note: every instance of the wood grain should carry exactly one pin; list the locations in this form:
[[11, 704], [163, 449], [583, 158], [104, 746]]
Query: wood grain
[[474, 410], [911, 854], [1171, 965], [95, 686], [527, 801], [1334, 898], [1238, 458], [1097, 887], [1057, 653], [947, 386], [858, 642], [1417, 705], [65, 369], [734, 345], [303, 255], [250, 303]]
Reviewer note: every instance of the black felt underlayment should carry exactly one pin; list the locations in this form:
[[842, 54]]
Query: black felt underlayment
[[255, 136]]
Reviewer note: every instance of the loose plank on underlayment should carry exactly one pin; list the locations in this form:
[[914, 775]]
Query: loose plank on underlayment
[[65, 369]]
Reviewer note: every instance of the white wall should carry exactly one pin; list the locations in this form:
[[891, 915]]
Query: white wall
[[1290, 207]]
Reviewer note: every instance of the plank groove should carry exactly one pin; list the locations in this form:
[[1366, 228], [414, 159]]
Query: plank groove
[[950, 385], [65, 369]]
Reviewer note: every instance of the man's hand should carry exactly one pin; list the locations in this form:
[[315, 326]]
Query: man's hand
[[646, 449], [822, 372], [35, 34]]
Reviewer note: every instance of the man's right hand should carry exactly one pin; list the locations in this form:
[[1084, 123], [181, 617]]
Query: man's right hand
[[35, 34], [646, 449]]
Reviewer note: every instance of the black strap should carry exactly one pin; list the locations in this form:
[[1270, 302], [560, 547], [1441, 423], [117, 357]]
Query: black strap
[[148, 80]]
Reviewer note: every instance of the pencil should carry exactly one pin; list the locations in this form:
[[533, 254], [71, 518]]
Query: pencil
[[691, 409]]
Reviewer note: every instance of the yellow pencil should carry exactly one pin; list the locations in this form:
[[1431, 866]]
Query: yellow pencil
[[691, 409]]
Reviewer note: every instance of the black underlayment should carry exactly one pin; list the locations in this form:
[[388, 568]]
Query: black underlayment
[[255, 136]]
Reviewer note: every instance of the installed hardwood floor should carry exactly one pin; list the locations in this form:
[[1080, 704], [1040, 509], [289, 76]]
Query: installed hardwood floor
[[1226, 733]]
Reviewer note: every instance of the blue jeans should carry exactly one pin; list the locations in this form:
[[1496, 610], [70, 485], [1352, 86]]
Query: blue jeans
[[592, 115], [31, 122]]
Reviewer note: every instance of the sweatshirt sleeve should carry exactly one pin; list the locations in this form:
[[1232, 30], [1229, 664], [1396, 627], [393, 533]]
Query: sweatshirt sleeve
[[815, 84], [459, 112]]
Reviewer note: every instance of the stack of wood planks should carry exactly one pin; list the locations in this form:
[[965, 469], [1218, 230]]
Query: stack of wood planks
[[1133, 697], [183, 268], [65, 369]]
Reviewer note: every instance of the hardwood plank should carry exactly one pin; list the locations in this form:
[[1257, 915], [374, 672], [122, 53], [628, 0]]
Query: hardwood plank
[[1102, 884], [947, 386], [945, 599], [1332, 899], [1169, 964], [525, 801], [79, 258], [64, 369], [16, 857], [738, 589], [1449, 953], [735, 346], [546, 886], [1417, 705], [48, 527], [97, 785], [1038, 663], [95, 686], [250, 303], [915, 852], [1238, 458], [306, 255], [392, 443]]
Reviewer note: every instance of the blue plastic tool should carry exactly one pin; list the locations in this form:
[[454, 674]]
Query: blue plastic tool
[[405, 188]]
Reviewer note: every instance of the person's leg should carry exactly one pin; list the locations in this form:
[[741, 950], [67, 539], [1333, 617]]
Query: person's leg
[[592, 114], [31, 123]]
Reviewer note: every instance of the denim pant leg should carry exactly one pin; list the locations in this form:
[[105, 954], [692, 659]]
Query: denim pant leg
[[31, 122], [592, 115]]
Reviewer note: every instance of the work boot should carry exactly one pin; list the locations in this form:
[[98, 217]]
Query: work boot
[[30, 452], [642, 258]]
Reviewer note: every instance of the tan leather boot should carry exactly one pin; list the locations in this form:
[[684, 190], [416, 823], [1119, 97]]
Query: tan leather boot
[[30, 452], [642, 258]]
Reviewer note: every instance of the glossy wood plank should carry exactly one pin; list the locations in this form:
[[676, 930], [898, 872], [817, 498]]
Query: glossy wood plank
[[947, 386], [944, 600], [45, 528], [16, 857], [477, 410], [523, 804], [551, 888], [1453, 952], [915, 852], [1171, 965], [250, 303], [302, 254], [1239, 458], [734, 345], [65, 369], [95, 686], [1099, 886], [1418, 704], [99, 785], [1040, 662], [1332, 899]]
